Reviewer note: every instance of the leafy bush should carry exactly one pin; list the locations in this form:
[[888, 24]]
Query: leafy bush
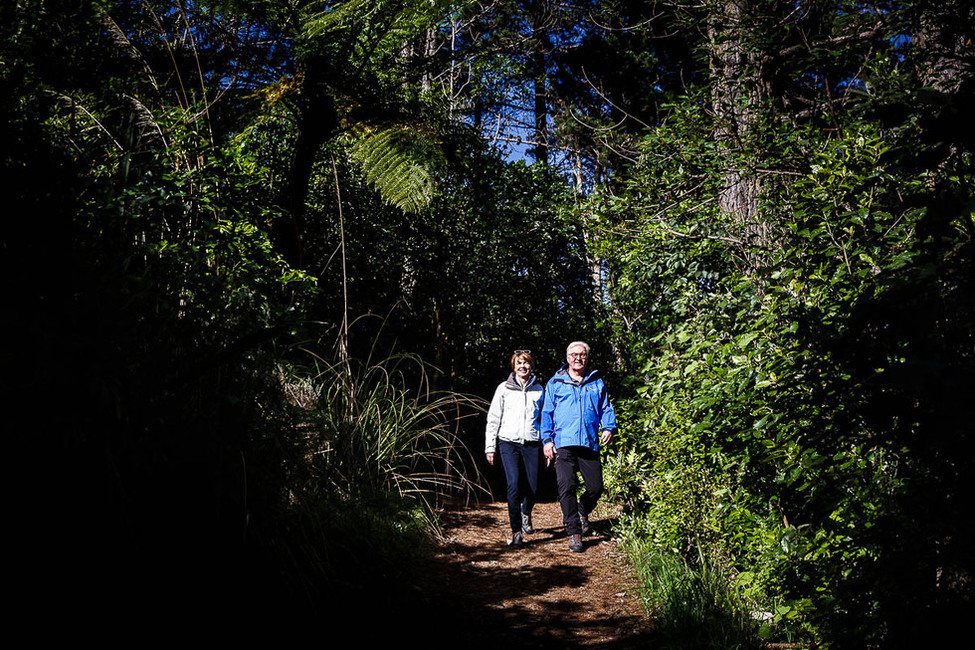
[[782, 420]]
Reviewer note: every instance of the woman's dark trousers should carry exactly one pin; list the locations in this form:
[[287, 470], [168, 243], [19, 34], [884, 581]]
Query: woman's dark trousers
[[521, 473]]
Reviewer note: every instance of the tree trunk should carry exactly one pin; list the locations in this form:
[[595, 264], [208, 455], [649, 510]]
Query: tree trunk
[[317, 121], [944, 42], [541, 19], [540, 149], [739, 91]]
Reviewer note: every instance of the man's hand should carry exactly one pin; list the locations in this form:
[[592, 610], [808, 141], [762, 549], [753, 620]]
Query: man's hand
[[549, 453], [605, 437]]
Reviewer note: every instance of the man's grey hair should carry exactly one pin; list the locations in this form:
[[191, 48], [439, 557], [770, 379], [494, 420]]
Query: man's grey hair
[[575, 344]]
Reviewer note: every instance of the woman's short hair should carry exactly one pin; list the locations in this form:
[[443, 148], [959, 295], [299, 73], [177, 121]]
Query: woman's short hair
[[522, 354]]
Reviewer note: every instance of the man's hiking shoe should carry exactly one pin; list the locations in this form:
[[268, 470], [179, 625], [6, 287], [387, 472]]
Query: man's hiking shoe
[[526, 524], [517, 540], [575, 543], [584, 520]]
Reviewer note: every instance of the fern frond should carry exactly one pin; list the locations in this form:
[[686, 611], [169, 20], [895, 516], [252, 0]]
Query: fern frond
[[396, 161], [387, 19]]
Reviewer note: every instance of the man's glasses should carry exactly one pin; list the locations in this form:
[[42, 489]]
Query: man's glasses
[[578, 355]]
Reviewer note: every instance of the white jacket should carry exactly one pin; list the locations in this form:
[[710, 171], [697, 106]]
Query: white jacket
[[514, 413]]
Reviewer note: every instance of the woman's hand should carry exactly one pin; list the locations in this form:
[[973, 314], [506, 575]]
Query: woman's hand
[[490, 458]]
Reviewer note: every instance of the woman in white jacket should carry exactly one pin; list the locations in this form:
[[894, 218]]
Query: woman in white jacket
[[512, 432]]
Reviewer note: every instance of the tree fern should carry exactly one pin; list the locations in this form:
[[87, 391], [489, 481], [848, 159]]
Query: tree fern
[[392, 150]]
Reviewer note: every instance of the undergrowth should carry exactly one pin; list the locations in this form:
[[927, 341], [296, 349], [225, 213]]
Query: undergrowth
[[381, 451], [692, 605]]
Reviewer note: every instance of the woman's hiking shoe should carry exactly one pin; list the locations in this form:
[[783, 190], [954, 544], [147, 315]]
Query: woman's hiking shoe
[[575, 543], [526, 524], [517, 540]]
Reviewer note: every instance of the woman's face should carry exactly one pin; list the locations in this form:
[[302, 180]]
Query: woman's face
[[523, 367]]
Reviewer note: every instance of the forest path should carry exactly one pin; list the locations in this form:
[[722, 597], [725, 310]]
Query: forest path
[[540, 596]]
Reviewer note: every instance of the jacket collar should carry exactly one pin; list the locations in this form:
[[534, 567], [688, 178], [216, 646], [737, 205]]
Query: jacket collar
[[563, 376], [512, 382]]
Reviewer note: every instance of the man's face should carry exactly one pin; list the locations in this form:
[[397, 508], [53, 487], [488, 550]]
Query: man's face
[[577, 358]]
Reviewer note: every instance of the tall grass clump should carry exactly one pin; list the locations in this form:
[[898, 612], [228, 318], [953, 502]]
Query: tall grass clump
[[381, 451], [693, 605]]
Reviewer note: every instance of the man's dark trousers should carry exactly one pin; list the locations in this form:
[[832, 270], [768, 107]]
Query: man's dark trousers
[[568, 462]]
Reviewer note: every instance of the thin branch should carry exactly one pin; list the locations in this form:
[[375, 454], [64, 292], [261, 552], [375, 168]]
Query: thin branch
[[344, 330], [608, 101]]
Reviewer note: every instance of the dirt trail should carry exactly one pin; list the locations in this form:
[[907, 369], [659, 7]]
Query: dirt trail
[[541, 596]]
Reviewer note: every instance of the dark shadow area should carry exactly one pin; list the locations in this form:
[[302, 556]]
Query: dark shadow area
[[466, 597]]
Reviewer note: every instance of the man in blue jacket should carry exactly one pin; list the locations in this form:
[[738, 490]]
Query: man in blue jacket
[[577, 417]]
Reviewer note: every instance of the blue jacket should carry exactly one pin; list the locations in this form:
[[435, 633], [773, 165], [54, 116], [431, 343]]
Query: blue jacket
[[574, 413]]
